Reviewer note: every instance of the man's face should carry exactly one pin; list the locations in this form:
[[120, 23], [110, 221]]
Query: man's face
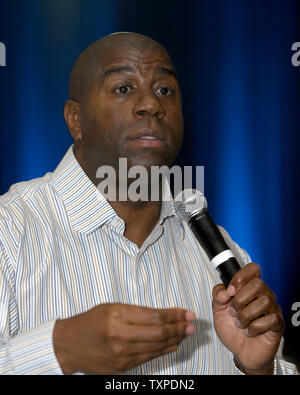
[[133, 111]]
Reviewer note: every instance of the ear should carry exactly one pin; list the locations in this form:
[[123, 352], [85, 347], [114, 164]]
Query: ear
[[72, 118]]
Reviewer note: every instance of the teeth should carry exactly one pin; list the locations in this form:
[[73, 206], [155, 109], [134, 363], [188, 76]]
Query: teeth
[[148, 137]]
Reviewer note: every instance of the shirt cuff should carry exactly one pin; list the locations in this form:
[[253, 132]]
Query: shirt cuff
[[32, 353], [239, 372]]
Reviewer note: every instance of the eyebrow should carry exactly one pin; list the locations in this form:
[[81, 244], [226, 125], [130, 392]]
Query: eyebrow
[[122, 69], [119, 69], [165, 70]]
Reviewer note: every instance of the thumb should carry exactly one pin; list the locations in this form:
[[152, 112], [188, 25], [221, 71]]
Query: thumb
[[221, 298]]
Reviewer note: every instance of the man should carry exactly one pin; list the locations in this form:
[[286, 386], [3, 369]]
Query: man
[[101, 287]]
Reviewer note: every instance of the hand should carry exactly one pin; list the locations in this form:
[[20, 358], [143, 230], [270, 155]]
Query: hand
[[248, 320], [112, 338]]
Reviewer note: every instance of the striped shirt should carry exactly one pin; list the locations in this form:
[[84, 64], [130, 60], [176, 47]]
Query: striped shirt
[[62, 251]]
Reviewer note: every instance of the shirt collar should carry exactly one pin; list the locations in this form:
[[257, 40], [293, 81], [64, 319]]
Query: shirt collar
[[86, 207], [168, 209]]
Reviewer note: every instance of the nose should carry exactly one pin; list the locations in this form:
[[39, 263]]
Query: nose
[[148, 104]]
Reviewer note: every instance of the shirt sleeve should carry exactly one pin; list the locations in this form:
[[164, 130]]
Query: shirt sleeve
[[281, 368], [28, 353], [284, 367]]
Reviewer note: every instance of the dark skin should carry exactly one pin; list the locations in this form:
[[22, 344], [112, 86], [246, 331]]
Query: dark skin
[[145, 94], [136, 88]]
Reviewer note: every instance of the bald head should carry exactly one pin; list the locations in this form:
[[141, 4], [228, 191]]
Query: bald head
[[90, 62]]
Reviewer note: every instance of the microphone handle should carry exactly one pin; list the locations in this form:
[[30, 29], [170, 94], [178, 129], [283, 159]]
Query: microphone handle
[[213, 243], [227, 270]]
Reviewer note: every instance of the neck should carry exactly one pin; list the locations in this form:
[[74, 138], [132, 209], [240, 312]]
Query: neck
[[140, 218]]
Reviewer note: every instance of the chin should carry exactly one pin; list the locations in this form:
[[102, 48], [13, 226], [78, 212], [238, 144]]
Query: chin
[[147, 163], [151, 158]]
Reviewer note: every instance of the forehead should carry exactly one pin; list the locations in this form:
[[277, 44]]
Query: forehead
[[142, 57]]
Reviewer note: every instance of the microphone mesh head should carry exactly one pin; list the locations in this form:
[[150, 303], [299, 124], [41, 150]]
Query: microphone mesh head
[[188, 203]]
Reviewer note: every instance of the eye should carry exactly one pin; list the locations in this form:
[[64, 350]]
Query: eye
[[123, 90], [164, 91]]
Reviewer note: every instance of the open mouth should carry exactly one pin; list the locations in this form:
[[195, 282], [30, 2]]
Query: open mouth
[[149, 138]]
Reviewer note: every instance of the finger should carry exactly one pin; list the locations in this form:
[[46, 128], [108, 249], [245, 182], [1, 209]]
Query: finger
[[264, 305], [126, 361], [272, 322], [221, 297], [153, 333], [149, 356], [137, 315], [155, 347], [251, 291], [246, 274]]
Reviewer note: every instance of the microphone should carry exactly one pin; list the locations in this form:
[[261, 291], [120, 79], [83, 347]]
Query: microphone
[[191, 207]]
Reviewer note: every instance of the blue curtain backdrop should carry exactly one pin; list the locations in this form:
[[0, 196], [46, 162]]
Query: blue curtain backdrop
[[240, 96]]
